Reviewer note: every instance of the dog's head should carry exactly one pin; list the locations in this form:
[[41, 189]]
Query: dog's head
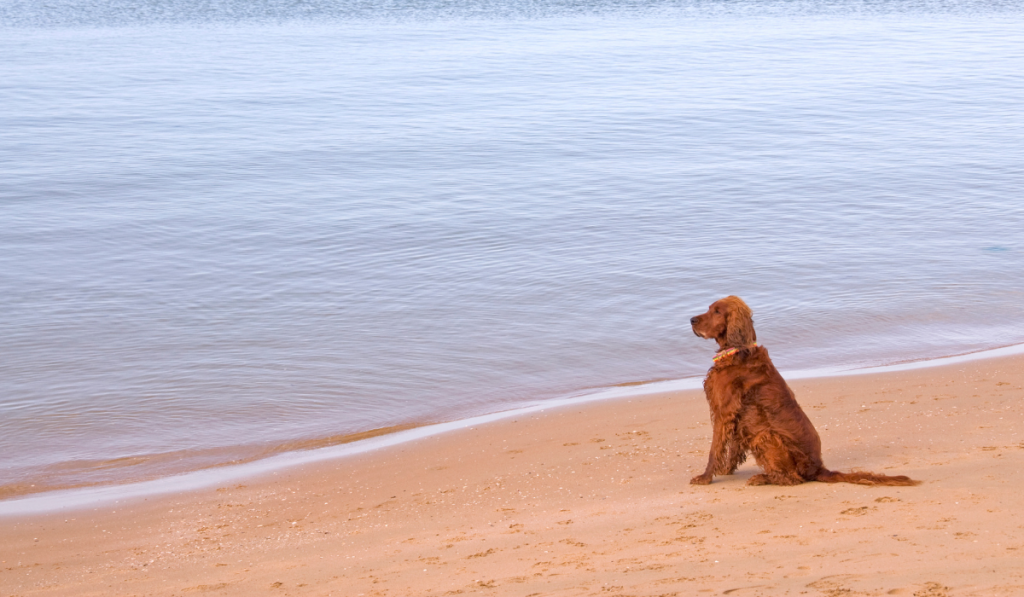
[[729, 321]]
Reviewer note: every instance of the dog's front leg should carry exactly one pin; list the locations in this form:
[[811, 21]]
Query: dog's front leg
[[725, 407], [717, 456], [735, 455]]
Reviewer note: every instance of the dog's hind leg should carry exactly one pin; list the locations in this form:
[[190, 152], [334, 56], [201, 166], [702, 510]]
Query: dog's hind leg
[[776, 459]]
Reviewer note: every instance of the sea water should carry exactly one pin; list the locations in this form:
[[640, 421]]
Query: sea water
[[232, 229]]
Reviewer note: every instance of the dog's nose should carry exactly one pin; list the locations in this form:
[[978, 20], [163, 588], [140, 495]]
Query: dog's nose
[[693, 321]]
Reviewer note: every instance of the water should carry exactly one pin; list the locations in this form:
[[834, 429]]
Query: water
[[237, 228]]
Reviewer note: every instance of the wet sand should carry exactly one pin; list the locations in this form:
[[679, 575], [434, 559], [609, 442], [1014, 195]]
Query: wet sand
[[589, 500]]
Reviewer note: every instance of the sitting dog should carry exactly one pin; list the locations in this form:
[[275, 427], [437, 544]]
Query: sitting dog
[[753, 410]]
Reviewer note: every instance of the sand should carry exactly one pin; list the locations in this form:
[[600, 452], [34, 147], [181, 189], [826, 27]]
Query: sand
[[589, 500]]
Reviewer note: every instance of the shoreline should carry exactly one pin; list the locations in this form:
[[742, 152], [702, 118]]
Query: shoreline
[[69, 498], [587, 499]]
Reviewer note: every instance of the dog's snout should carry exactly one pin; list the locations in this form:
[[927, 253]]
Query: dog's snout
[[693, 320]]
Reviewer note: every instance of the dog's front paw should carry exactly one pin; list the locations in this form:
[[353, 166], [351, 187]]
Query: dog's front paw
[[701, 480]]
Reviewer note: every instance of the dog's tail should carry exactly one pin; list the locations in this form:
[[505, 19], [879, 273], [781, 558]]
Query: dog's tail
[[861, 478]]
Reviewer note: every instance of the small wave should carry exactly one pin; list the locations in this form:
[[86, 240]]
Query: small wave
[[77, 474], [118, 13]]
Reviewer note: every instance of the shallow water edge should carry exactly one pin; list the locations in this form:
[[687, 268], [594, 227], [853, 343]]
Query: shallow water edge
[[63, 499]]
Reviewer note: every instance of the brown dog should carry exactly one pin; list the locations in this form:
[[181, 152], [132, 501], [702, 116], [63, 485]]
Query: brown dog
[[753, 410]]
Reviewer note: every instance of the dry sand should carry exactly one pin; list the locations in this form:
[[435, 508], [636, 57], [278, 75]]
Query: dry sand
[[589, 500]]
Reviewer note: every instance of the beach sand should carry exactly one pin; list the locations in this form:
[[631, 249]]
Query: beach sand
[[589, 500]]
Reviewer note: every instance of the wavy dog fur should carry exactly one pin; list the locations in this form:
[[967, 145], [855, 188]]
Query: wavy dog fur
[[754, 411]]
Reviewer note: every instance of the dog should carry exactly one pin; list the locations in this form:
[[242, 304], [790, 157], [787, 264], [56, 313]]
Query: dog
[[753, 410]]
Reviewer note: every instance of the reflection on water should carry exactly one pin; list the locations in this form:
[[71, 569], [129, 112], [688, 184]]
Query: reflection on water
[[218, 239]]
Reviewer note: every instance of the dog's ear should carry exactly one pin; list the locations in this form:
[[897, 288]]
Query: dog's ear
[[739, 324]]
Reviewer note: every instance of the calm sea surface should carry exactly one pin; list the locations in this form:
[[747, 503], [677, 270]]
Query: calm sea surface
[[227, 228]]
